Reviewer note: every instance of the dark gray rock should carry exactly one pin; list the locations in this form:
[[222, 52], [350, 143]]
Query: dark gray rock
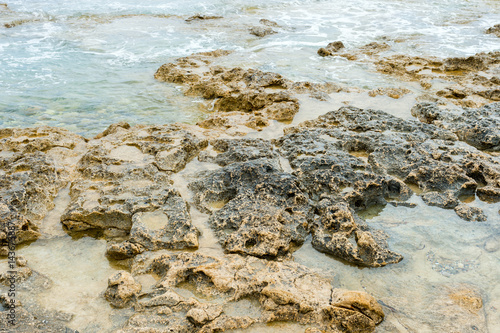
[[479, 127]]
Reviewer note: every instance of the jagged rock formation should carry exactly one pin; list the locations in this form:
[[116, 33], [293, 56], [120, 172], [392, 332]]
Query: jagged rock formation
[[259, 95], [35, 164], [123, 188], [277, 291]]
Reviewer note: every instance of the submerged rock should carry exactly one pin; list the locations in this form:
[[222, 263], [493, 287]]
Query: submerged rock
[[123, 184], [122, 289], [276, 291], [35, 163], [261, 31]]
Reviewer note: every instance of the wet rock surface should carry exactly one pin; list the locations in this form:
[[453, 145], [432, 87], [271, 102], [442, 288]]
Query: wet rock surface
[[397, 154], [276, 291], [122, 289], [202, 17], [331, 49], [257, 209], [263, 95], [262, 31], [123, 188], [473, 81], [264, 199], [34, 165], [229, 151], [495, 30], [479, 127]]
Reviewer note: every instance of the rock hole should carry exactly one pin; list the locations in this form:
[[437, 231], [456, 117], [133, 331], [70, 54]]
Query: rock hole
[[250, 243]]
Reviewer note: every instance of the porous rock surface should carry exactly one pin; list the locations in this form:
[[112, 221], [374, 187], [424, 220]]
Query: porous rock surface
[[259, 209], [479, 127], [278, 291], [397, 153], [473, 80], [123, 188], [264, 212], [262, 95], [122, 289], [35, 163]]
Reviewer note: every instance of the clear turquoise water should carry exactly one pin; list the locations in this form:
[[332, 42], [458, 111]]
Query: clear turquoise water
[[85, 65]]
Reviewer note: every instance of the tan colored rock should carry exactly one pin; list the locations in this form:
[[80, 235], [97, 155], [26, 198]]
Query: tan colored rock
[[467, 298], [123, 188], [122, 289], [261, 31], [331, 49], [263, 95], [35, 163], [285, 291]]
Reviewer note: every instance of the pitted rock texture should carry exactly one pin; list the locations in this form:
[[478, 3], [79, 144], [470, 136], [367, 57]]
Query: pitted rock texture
[[479, 128], [124, 187], [257, 209], [263, 94], [35, 163], [341, 233], [122, 289], [397, 153], [238, 150], [279, 291], [473, 80]]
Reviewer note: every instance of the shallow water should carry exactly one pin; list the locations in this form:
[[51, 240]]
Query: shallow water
[[85, 65], [441, 253]]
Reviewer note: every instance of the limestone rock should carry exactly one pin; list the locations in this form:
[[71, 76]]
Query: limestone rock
[[336, 232], [470, 213], [238, 150], [269, 23], [262, 210], [124, 185], [494, 30], [202, 17], [478, 127], [261, 31], [265, 95], [35, 163], [122, 289], [345, 153], [283, 291], [331, 49]]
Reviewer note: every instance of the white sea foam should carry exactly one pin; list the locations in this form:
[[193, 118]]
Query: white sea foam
[[90, 49]]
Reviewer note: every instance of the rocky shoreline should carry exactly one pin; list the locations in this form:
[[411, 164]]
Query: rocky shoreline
[[263, 197]]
